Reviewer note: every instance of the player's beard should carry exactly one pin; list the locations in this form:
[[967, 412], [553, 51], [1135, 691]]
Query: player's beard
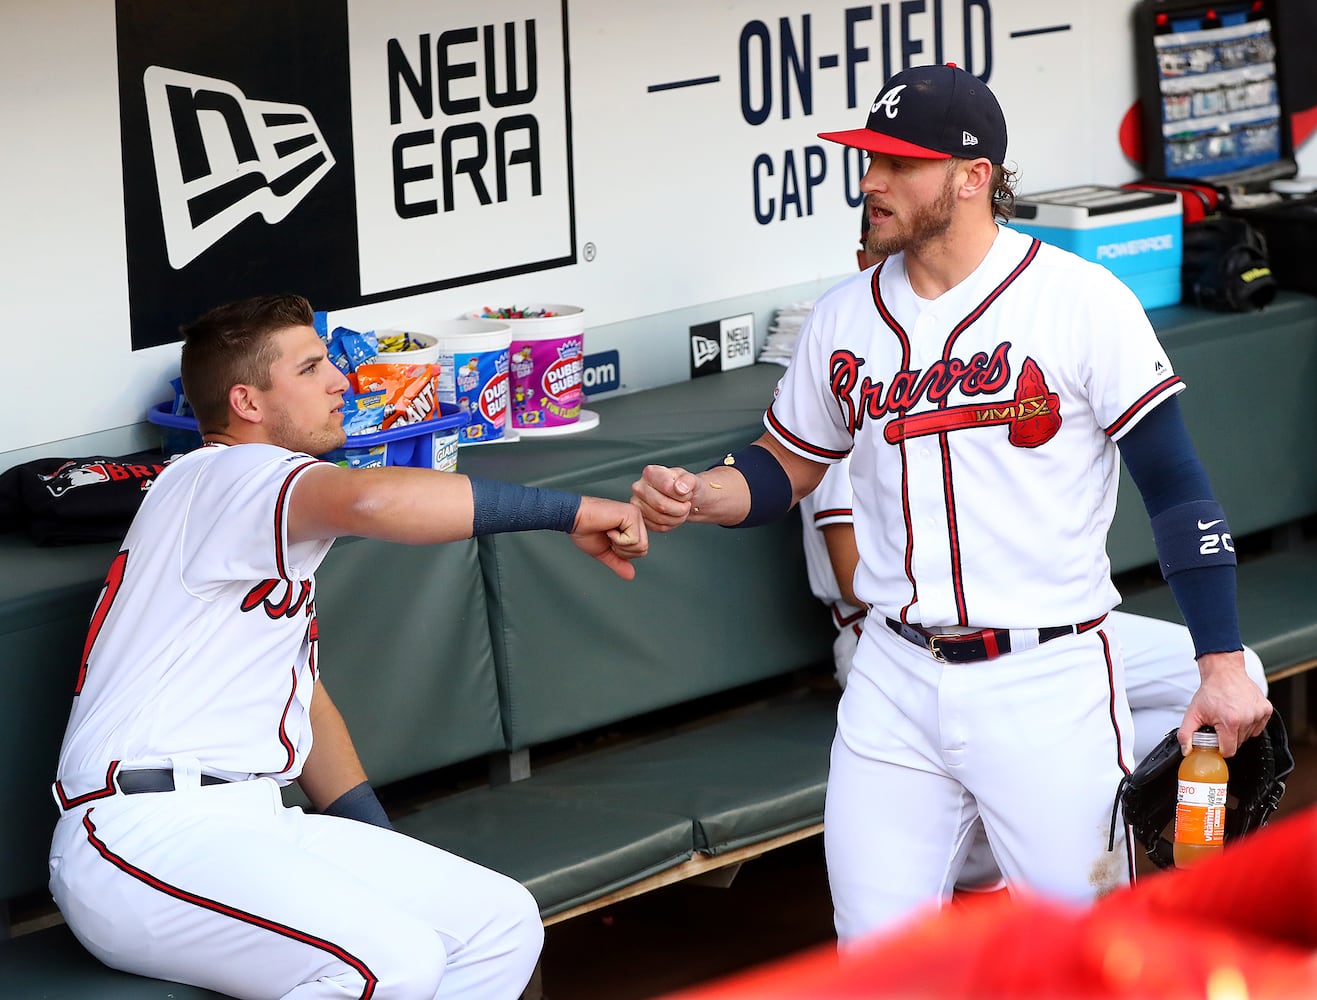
[[286, 432], [927, 223]]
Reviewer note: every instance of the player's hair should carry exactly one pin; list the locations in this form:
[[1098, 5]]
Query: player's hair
[[232, 345], [1003, 192]]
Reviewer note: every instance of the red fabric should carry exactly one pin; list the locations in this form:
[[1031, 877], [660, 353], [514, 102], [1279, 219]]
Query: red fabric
[[1239, 925]]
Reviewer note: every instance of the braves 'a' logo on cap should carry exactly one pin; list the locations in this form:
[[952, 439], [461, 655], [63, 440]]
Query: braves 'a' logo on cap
[[221, 157], [889, 102]]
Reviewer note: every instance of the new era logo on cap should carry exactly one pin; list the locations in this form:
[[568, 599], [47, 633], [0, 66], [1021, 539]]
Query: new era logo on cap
[[932, 112]]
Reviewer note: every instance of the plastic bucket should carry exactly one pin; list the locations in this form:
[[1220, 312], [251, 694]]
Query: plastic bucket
[[473, 372], [426, 354], [546, 359]]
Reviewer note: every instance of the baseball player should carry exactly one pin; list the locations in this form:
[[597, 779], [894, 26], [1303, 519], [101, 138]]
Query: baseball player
[[986, 386], [1160, 673], [199, 695]]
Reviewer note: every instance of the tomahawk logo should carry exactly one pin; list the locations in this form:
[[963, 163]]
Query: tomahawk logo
[[703, 350], [221, 157]]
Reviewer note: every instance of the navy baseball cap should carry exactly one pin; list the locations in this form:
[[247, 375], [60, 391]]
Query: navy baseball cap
[[932, 113]]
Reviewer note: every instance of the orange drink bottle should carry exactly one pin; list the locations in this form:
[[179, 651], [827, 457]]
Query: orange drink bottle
[[1200, 804]]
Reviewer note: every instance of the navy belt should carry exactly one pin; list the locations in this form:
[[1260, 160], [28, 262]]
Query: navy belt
[[986, 644], [156, 779]]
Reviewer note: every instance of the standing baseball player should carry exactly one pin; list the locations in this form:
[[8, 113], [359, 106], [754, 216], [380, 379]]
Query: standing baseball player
[[1161, 674], [985, 385], [199, 694]]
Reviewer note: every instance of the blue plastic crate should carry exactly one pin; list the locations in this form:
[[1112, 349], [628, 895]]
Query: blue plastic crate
[[431, 444]]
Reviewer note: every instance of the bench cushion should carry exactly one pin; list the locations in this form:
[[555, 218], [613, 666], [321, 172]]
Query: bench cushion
[[52, 965], [741, 778], [564, 852], [405, 653], [1277, 606]]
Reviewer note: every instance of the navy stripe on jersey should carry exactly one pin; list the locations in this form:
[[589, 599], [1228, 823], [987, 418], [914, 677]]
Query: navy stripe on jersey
[[810, 449], [1115, 728], [67, 803], [283, 722], [280, 513], [982, 307], [340, 953], [1141, 402], [958, 581]]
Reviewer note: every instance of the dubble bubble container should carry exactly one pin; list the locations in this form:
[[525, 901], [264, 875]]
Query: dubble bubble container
[[473, 372], [546, 359]]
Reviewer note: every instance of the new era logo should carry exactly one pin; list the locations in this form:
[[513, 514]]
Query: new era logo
[[221, 157], [968, 139], [703, 350]]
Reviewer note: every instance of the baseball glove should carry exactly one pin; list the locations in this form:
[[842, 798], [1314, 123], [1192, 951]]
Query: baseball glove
[[1257, 781]]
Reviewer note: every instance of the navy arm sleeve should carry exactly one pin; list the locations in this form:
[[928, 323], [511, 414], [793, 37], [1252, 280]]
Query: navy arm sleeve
[[1166, 469]]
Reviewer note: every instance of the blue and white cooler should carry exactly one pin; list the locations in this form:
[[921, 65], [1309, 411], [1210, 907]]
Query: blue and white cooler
[[1137, 235]]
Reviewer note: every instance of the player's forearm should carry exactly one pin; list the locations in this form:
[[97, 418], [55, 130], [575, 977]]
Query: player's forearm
[[332, 767]]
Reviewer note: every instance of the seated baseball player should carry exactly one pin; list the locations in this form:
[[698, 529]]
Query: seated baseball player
[[199, 695]]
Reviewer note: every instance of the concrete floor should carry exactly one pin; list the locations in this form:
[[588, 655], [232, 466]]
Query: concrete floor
[[684, 935]]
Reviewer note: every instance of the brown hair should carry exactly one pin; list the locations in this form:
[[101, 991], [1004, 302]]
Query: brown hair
[[1003, 193], [232, 345]]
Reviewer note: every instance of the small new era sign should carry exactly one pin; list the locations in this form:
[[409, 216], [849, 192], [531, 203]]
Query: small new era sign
[[968, 139]]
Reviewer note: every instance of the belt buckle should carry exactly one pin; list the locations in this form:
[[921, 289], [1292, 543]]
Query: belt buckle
[[933, 641]]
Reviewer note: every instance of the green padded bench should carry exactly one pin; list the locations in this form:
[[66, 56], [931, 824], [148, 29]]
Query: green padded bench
[[577, 651]]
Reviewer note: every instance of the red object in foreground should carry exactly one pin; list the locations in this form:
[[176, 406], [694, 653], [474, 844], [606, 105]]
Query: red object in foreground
[[1238, 925]]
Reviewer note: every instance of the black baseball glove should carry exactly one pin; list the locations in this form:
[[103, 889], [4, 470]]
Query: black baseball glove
[[1257, 781]]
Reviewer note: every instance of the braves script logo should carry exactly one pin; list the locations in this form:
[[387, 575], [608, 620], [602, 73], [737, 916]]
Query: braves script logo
[[889, 102], [280, 598], [1033, 413], [71, 475], [221, 157]]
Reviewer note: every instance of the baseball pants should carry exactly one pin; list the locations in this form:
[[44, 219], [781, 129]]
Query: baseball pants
[[224, 887], [1033, 743]]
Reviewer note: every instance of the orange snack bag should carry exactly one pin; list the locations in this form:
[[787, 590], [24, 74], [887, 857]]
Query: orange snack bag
[[411, 392]]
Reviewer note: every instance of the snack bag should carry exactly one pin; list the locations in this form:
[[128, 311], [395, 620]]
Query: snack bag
[[411, 392], [363, 412]]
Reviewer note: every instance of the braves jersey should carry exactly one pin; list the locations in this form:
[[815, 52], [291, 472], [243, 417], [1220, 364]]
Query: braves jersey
[[228, 682], [983, 426]]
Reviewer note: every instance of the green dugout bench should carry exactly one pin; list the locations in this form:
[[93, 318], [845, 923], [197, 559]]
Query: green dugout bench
[[519, 705]]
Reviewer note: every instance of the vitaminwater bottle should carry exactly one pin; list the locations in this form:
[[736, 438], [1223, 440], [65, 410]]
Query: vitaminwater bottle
[[1200, 804]]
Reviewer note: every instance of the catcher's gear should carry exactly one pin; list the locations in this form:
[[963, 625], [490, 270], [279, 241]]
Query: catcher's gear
[[1257, 781]]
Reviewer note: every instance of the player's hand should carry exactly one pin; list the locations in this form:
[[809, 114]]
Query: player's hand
[[612, 532], [1228, 701], [664, 496]]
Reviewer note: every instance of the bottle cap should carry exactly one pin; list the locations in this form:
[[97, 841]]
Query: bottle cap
[[1205, 739]]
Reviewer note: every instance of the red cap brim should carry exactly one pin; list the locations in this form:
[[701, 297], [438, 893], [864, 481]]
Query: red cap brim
[[876, 142]]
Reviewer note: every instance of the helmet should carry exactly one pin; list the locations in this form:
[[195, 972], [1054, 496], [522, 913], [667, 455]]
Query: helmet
[[1257, 781]]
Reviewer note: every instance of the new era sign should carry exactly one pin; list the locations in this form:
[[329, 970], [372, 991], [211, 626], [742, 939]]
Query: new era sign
[[351, 151], [722, 345]]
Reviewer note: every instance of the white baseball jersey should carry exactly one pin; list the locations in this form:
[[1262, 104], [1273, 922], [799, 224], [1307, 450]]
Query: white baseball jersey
[[229, 683], [983, 425]]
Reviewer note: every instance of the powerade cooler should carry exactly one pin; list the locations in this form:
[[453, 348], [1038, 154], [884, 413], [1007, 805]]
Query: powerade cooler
[[1137, 235]]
